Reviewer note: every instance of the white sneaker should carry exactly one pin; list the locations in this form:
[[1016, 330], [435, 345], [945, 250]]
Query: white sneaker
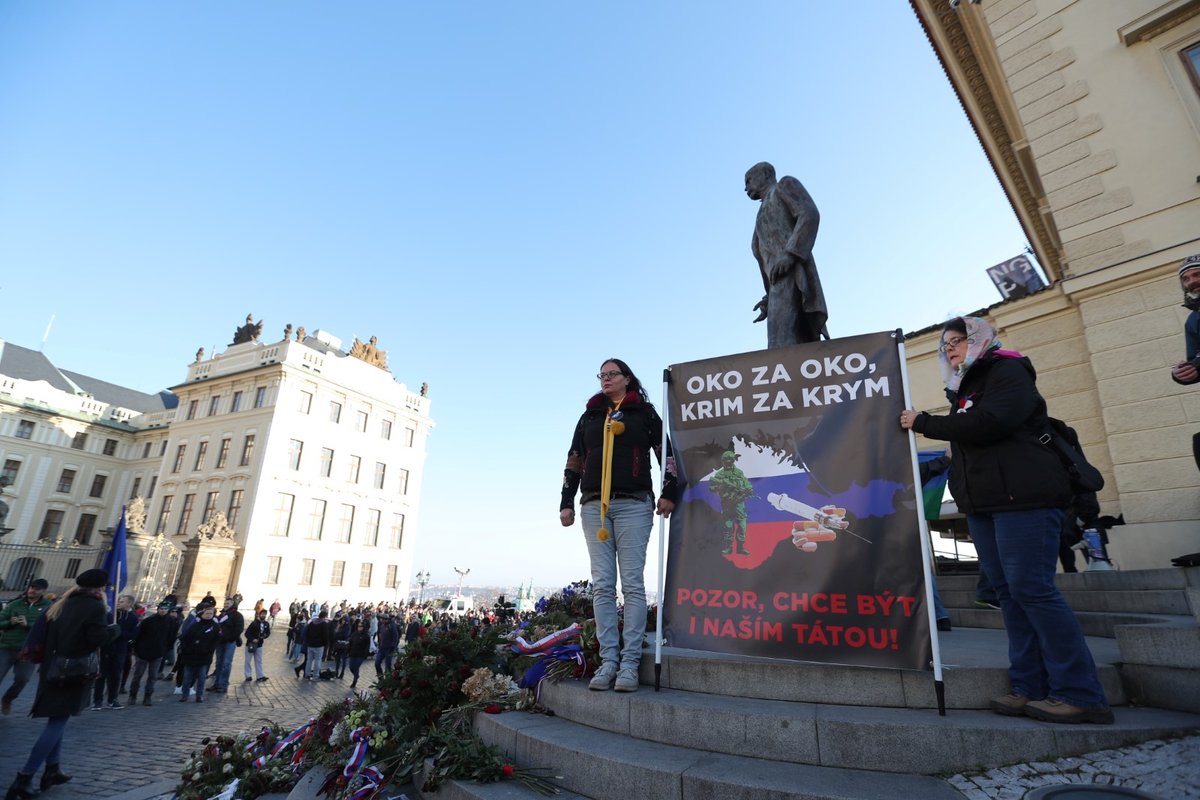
[[178, 690], [627, 680], [603, 679]]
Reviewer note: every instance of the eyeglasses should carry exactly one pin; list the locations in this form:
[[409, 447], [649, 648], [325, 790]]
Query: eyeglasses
[[950, 344], [610, 375]]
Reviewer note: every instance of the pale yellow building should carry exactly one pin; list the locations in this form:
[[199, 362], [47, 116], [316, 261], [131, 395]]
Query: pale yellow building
[[1089, 111]]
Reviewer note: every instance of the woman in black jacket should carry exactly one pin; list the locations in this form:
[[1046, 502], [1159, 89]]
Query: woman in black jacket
[[359, 649], [1013, 490], [76, 625], [197, 643], [609, 461]]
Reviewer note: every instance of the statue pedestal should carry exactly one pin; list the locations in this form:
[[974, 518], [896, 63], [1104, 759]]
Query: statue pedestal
[[207, 567]]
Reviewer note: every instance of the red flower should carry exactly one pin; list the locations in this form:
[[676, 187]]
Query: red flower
[[406, 693], [507, 770], [492, 709]]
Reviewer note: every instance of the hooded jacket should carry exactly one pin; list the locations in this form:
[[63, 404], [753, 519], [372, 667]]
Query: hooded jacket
[[996, 418], [1191, 331]]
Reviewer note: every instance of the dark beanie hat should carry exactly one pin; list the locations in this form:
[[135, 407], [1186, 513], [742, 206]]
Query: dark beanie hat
[[1191, 262], [92, 579], [39, 583]]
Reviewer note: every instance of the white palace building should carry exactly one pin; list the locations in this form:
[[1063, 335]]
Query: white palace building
[[282, 470]]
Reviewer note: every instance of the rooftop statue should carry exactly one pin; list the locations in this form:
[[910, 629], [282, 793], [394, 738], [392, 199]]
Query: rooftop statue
[[248, 332]]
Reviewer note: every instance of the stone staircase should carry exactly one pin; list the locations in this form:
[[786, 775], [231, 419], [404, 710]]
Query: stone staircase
[[725, 727]]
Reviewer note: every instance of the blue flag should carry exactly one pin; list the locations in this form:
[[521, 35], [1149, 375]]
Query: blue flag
[[116, 564]]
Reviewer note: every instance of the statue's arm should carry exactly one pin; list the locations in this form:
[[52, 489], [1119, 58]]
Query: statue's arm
[[804, 211]]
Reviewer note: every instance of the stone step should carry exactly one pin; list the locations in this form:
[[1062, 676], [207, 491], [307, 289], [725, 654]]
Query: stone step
[[1101, 624], [603, 765], [851, 737], [1145, 601], [975, 669]]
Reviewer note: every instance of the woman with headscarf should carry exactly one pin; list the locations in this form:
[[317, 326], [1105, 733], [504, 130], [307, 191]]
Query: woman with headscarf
[[1013, 490], [609, 460], [77, 624]]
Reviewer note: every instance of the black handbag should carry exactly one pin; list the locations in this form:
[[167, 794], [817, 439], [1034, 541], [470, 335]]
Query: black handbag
[[1062, 438], [73, 669]]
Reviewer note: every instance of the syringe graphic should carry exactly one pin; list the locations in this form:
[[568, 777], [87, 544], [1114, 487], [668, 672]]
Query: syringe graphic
[[822, 525]]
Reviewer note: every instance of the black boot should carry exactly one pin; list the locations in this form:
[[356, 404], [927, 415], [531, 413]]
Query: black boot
[[53, 776], [22, 788]]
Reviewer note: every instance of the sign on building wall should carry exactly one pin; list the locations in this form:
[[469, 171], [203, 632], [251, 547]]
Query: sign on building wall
[[1015, 277], [796, 535]]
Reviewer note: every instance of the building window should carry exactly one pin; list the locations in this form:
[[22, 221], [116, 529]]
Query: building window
[[306, 571], [260, 397], [397, 531], [335, 411], [295, 451], [283, 514], [65, 481], [11, 467], [364, 575], [193, 407], [316, 522], [162, 451], [273, 563], [346, 524], [83, 531], [214, 403], [362, 417], [380, 472], [185, 515], [24, 429], [403, 487], [179, 451], [235, 405], [201, 453], [146, 449], [51, 525], [385, 428], [110, 447], [1191, 62], [326, 462], [339, 573], [164, 514], [247, 450], [392, 575], [137, 485], [73, 565], [210, 506], [98, 486], [235, 507], [223, 453], [409, 435], [79, 441], [305, 402], [355, 464], [153, 484], [373, 515]]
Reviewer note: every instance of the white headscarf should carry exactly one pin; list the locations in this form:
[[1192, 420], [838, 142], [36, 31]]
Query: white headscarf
[[981, 338]]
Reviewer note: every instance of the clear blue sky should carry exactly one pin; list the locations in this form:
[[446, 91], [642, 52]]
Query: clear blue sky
[[504, 193]]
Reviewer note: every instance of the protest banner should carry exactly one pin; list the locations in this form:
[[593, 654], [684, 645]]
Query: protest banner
[[797, 533]]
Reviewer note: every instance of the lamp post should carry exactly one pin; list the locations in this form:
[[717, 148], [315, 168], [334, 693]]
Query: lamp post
[[422, 579], [462, 573]]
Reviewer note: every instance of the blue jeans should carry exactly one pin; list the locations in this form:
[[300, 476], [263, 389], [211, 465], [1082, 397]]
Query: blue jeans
[[224, 659], [939, 608], [22, 671], [1018, 551], [194, 676], [624, 552], [48, 747], [316, 659]]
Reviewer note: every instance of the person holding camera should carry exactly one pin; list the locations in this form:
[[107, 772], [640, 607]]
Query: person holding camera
[[256, 633], [1188, 372], [16, 619]]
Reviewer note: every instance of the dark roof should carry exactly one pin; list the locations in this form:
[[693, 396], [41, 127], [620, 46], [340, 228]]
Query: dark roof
[[31, 365], [122, 397]]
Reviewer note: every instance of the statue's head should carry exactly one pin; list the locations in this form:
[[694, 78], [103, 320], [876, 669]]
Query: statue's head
[[759, 179]]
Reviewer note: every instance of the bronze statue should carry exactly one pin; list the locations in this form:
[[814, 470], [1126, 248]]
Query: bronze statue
[[784, 233], [248, 332]]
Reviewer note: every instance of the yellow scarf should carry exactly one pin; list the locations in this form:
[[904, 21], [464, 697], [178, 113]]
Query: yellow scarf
[[612, 429]]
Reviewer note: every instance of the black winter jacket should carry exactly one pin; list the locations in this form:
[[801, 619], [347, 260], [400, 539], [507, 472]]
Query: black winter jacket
[[81, 626], [631, 453], [996, 418]]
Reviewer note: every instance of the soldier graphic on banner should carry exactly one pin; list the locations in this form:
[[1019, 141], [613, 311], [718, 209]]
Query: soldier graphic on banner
[[734, 488]]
